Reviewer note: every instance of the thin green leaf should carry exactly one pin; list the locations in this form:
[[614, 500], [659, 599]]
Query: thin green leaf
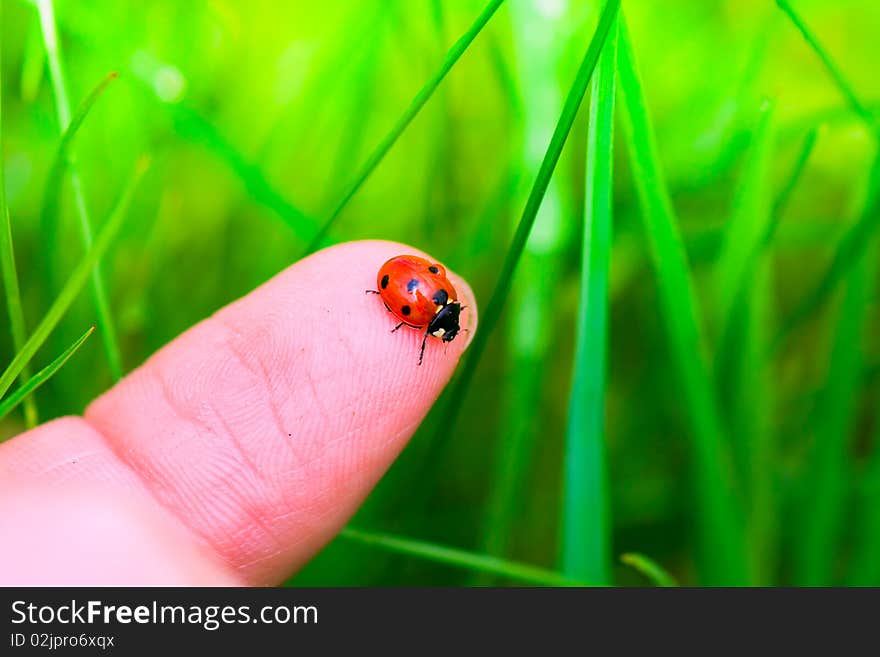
[[586, 526], [482, 563], [8, 270], [865, 568], [41, 377], [747, 227], [194, 126], [791, 183], [52, 198], [75, 282], [753, 427], [849, 250], [540, 272], [502, 287], [836, 73], [649, 568], [421, 97], [827, 472], [742, 288], [719, 519], [51, 44]]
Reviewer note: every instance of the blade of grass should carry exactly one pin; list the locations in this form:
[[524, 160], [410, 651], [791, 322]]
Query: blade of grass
[[743, 376], [52, 198], [791, 183], [502, 287], [481, 563], [74, 284], [586, 526], [527, 339], [649, 568], [850, 248], [865, 567], [825, 481], [51, 45], [8, 269], [836, 73], [742, 318], [722, 553], [747, 226], [418, 101], [194, 126], [41, 377]]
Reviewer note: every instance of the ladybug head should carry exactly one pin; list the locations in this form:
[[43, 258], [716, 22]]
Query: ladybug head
[[445, 323]]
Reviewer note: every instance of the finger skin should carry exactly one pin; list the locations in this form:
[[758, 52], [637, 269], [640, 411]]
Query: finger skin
[[74, 534], [261, 429]]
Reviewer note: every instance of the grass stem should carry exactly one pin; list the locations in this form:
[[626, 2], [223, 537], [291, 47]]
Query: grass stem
[[62, 108]]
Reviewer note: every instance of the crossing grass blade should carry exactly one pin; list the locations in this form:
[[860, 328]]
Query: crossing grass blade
[[827, 472], [489, 318], [194, 126], [38, 379], [649, 568], [46, 12], [720, 527], [52, 198], [8, 270], [791, 184], [849, 250], [586, 526], [843, 84], [481, 563], [74, 284], [421, 97], [50, 211]]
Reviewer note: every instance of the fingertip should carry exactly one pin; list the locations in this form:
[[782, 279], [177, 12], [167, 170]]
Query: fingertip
[[272, 420]]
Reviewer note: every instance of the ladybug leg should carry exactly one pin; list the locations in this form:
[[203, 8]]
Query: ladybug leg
[[371, 292], [422, 350], [397, 327]]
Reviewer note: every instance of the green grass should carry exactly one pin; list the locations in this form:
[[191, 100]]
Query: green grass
[[50, 213], [8, 270], [586, 526], [788, 188], [848, 251], [8, 403], [649, 568], [719, 517], [825, 478], [415, 105], [481, 563], [195, 127], [840, 80], [74, 284], [865, 567], [491, 314], [747, 229], [743, 291], [63, 114], [537, 99], [725, 458]]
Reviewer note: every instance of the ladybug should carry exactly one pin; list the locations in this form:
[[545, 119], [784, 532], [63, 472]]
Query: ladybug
[[417, 292]]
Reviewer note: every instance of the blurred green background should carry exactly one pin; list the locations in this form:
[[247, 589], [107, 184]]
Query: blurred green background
[[258, 116]]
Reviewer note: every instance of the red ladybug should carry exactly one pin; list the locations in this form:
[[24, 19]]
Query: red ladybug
[[417, 292]]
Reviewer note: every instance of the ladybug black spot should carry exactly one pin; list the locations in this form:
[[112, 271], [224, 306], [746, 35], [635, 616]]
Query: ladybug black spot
[[384, 282], [412, 285], [406, 310], [440, 297], [433, 269]]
